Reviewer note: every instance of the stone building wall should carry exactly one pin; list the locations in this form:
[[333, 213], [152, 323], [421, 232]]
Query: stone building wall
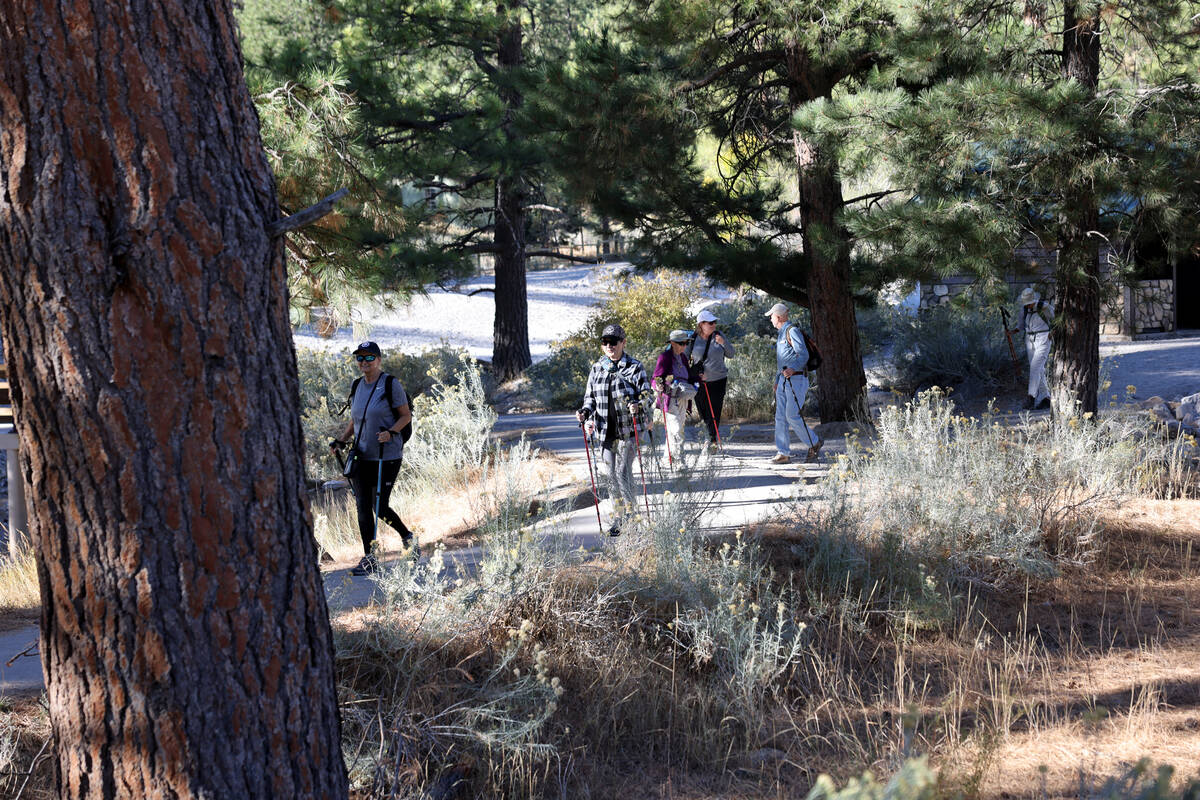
[[1153, 309], [1153, 301]]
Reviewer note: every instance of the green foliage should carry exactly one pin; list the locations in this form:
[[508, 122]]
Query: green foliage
[[648, 308], [915, 780], [750, 392], [953, 345], [316, 140]]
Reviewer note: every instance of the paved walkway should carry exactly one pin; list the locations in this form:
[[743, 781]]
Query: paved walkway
[[1169, 368]]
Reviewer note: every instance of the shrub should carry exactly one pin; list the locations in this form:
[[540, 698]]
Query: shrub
[[647, 308], [952, 345], [750, 392], [939, 501]]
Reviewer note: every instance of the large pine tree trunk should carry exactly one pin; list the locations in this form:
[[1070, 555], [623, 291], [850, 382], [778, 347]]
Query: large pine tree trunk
[[185, 639], [510, 345], [1075, 366], [841, 382]]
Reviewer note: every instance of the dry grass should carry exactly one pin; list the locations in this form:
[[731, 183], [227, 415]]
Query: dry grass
[[450, 516], [25, 765], [1031, 692], [19, 594]]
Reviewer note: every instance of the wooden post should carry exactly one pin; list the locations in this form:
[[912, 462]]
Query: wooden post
[[18, 518]]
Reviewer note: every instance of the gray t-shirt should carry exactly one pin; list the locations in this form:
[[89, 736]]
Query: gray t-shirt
[[714, 360], [370, 406]]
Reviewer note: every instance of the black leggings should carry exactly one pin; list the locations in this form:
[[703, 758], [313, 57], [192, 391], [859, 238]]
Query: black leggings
[[711, 416], [365, 479]]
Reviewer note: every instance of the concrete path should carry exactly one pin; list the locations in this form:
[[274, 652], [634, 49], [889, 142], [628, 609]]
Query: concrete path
[[1169, 368]]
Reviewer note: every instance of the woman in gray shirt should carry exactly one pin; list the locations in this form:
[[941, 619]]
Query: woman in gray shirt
[[707, 352], [379, 411]]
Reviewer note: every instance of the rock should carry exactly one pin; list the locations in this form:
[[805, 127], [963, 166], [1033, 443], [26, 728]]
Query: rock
[[1192, 423], [1188, 406], [834, 430], [1172, 428], [941, 290], [759, 761], [1159, 409]]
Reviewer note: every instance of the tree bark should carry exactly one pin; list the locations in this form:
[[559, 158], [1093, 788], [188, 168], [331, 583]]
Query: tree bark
[[510, 345], [841, 383], [185, 638], [1075, 336]]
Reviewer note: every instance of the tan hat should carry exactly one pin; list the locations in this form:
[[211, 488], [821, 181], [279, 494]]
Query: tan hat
[[778, 308], [680, 336], [1028, 297]]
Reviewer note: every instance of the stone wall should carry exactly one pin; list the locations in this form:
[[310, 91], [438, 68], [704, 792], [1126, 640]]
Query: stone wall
[[1153, 309], [1153, 301]]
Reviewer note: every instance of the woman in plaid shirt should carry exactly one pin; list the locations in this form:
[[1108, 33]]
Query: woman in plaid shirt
[[617, 388]]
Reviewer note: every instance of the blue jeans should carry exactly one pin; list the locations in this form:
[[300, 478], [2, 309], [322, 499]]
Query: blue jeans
[[789, 400]]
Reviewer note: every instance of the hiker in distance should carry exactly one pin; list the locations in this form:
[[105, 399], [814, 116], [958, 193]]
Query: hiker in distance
[[1034, 319], [379, 412], [791, 387], [616, 390], [706, 353], [674, 390]]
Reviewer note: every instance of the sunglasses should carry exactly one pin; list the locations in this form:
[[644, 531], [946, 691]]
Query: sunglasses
[[361, 359], [607, 340]]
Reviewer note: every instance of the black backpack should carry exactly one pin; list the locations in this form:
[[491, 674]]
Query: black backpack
[[407, 430], [814, 353]]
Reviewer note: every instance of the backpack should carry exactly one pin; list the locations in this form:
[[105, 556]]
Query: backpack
[[814, 353], [405, 432]]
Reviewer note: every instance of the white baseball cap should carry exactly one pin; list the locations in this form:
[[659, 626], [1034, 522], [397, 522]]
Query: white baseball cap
[[778, 308], [705, 316]]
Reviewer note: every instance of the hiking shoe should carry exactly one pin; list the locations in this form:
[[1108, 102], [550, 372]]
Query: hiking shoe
[[814, 452], [780, 459], [367, 566], [1045, 403]]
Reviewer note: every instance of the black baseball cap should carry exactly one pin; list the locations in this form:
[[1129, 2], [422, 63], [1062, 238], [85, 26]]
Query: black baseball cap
[[613, 331], [367, 349]]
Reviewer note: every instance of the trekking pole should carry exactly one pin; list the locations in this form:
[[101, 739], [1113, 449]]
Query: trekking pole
[[712, 413], [378, 491], [667, 434], [587, 451], [637, 441], [799, 410], [1012, 351]]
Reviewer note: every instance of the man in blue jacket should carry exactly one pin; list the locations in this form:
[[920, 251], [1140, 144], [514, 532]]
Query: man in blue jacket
[[791, 387]]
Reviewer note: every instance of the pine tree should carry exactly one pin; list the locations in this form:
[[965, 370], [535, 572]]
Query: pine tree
[[443, 88], [1051, 139], [770, 210]]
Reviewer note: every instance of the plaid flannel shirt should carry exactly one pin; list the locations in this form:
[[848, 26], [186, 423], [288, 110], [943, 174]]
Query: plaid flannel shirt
[[608, 383]]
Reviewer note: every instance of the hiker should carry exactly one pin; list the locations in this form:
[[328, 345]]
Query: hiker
[[706, 353], [1034, 320], [791, 387], [379, 411], [616, 389], [674, 390]]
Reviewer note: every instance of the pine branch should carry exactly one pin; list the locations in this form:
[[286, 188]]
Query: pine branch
[[305, 217], [745, 60]]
